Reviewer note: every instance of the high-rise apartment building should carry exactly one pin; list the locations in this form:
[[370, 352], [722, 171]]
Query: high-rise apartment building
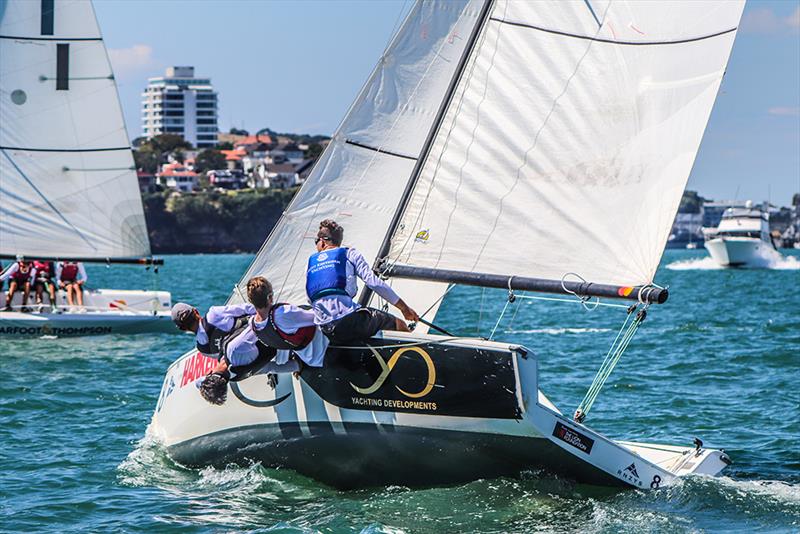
[[181, 104]]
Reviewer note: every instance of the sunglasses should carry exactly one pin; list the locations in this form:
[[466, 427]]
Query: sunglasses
[[321, 238]]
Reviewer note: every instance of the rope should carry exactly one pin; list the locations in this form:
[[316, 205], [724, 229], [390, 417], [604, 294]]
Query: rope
[[618, 347], [572, 301], [502, 313]]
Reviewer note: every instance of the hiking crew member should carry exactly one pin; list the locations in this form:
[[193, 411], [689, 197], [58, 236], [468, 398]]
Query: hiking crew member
[[71, 276], [19, 274], [44, 280], [224, 333], [286, 327], [331, 286]]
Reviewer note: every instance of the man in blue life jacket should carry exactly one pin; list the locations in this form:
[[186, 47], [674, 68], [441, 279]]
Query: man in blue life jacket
[[331, 286]]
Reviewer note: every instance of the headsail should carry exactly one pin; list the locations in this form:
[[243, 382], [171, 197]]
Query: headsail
[[569, 141], [362, 174], [68, 186]]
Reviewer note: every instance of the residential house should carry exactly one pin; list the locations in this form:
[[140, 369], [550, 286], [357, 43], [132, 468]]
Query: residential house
[[280, 175], [227, 179], [177, 176], [233, 158]]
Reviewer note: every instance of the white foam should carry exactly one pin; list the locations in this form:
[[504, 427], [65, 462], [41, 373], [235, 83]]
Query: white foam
[[707, 263], [559, 331]]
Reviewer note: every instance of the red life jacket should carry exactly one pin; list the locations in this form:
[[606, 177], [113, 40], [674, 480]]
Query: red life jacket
[[42, 270], [69, 271], [23, 272], [274, 337]]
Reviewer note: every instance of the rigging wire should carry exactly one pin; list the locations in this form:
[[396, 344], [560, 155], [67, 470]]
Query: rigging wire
[[618, 347]]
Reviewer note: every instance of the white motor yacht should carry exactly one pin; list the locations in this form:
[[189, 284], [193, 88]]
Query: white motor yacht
[[742, 238]]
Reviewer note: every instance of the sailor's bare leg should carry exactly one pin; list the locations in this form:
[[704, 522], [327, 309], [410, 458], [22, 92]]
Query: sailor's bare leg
[[401, 325], [51, 290], [26, 292], [39, 288], [12, 288], [70, 291], [79, 293]]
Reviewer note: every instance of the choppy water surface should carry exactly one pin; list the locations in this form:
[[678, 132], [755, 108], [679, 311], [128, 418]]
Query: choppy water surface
[[720, 361]]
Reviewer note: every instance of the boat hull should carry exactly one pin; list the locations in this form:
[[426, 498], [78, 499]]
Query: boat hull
[[741, 252], [400, 411], [104, 312]]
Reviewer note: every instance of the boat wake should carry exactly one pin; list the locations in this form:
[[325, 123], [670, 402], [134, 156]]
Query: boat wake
[[254, 495], [707, 263]]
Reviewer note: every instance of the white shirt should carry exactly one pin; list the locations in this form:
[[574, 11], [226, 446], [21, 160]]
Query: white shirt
[[333, 307], [241, 350], [289, 318], [8, 273], [81, 272]]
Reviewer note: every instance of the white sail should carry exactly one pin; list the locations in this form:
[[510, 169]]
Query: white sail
[[360, 178], [569, 140], [68, 185]]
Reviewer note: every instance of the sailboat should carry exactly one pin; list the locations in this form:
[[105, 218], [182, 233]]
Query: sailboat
[[528, 146], [68, 185]]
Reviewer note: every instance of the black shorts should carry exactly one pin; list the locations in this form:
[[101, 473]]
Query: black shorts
[[359, 325]]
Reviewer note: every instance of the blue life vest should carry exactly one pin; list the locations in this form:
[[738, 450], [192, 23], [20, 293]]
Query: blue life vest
[[327, 274]]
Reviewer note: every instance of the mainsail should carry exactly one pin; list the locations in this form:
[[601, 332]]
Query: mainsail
[[68, 185], [569, 142], [360, 178]]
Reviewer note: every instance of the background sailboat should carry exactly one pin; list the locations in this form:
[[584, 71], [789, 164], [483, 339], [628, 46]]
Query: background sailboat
[[525, 145], [69, 188]]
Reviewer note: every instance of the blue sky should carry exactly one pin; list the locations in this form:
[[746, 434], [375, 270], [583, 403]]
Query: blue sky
[[296, 67]]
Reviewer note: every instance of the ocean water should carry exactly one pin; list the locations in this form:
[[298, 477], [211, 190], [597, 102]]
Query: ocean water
[[721, 361]]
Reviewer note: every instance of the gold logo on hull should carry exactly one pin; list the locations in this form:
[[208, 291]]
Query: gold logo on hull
[[386, 368]]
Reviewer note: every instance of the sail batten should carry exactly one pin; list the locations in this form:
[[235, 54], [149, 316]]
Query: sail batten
[[68, 185]]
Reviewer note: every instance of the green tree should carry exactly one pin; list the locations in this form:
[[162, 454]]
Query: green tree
[[146, 159], [314, 150], [691, 202], [166, 143], [225, 146], [209, 160], [237, 131]]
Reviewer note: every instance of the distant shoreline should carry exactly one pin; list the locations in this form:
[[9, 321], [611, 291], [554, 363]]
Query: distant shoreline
[[213, 222]]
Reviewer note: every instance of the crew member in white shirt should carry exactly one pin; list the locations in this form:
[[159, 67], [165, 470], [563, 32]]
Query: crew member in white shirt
[[331, 286], [225, 333], [71, 277], [286, 327], [21, 273]]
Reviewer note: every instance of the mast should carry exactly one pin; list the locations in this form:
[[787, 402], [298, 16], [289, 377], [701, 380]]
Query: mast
[[426, 148]]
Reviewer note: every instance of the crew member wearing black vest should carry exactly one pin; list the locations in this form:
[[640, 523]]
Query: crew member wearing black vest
[[223, 333], [286, 327]]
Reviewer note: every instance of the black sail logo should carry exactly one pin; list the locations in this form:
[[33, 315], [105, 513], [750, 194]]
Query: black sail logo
[[386, 369]]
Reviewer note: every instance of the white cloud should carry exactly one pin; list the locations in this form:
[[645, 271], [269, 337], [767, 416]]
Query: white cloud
[[126, 61], [766, 21], [784, 111]]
